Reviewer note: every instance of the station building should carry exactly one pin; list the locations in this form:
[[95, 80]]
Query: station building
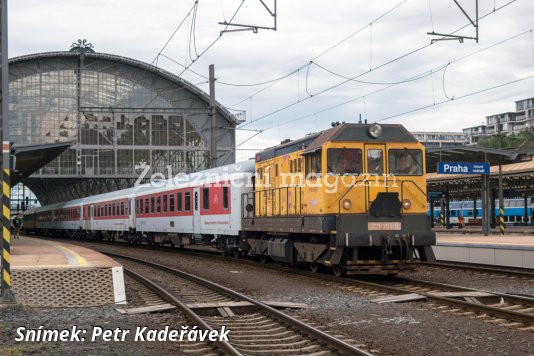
[[118, 116]]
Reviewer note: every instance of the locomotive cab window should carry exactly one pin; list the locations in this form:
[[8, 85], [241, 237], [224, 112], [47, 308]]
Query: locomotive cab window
[[313, 164], [342, 161], [405, 162], [375, 161]]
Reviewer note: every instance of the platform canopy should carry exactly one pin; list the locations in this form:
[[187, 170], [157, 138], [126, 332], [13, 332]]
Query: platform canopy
[[473, 154], [30, 158], [517, 171]]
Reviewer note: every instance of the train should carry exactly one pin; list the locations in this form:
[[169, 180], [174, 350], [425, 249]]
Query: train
[[350, 199], [514, 212]]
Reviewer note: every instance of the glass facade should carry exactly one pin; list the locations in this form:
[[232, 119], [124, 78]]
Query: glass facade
[[44, 109], [120, 115]]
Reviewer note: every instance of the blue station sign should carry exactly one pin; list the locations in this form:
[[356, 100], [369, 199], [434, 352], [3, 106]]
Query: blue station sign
[[463, 168]]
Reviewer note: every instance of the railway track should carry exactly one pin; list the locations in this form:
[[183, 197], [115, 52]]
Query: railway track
[[259, 330], [500, 308], [503, 309], [522, 273]]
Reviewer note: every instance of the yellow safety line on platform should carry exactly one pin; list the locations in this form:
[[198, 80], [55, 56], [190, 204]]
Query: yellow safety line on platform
[[81, 261]]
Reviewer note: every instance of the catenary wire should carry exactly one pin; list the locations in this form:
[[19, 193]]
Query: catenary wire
[[361, 74]]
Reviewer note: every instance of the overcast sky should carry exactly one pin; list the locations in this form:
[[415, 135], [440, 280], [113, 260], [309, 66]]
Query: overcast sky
[[307, 33]]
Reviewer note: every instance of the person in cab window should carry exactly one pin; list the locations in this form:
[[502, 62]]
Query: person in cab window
[[406, 165], [347, 163]]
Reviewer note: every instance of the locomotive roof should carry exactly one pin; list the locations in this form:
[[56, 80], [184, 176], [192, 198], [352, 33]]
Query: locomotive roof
[[340, 133]]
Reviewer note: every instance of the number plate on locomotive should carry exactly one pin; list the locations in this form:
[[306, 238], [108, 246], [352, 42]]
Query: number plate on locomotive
[[384, 225]]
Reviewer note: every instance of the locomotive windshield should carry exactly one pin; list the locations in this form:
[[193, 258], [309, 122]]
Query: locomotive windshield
[[405, 162], [344, 161]]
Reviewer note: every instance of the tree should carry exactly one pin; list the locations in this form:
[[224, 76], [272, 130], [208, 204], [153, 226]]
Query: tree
[[524, 139]]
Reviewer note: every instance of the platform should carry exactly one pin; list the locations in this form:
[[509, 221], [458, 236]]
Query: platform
[[54, 274], [500, 250]]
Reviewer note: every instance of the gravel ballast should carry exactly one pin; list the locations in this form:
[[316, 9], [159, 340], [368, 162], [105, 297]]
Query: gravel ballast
[[388, 329]]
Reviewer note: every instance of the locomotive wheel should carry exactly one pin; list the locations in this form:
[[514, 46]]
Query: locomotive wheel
[[237, 254], [314, 267], [337, 270], [263, 259]]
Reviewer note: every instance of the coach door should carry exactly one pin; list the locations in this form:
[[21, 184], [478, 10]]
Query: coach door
[[375, 167], [196, 212], [89, 219]]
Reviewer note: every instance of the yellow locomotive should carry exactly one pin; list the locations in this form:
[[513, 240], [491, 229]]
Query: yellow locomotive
[[351, 198]]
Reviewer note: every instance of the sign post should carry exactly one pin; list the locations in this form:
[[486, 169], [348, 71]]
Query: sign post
[[482, 168], [6, 184]]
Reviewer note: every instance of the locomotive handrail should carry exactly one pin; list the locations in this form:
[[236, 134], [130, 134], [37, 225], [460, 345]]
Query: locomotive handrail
[[346, 192], [415, 184], [274, 192]]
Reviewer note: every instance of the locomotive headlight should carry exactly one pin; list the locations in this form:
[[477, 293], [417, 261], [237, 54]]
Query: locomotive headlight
[[375, 130], [406, 204], [347, 204]]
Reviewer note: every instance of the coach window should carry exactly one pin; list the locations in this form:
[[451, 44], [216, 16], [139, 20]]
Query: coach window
[[114, 210], [205, 198], [158, 204], [179, 202], [122, 208], [225, 197], [165, 203], [341, 161], [171, 202], [152, 205], [405, 162], [187, 201], [147, 206]]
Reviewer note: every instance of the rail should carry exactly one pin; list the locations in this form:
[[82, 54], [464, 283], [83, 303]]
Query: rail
[[313, 333]]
